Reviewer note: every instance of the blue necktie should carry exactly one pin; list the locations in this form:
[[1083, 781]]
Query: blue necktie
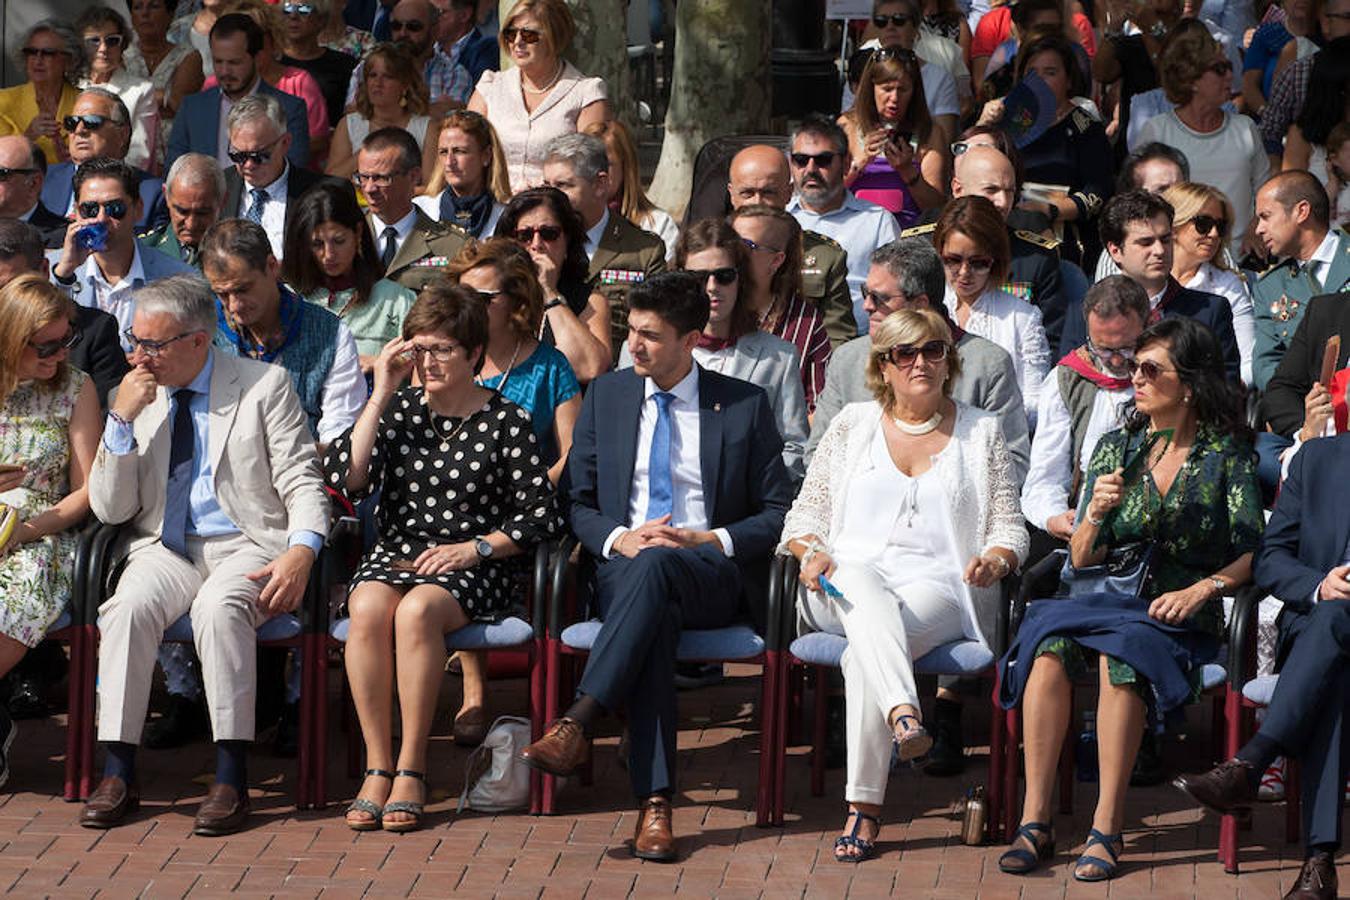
[[380, 26], [660, 488], [254, 212], [178, 491]]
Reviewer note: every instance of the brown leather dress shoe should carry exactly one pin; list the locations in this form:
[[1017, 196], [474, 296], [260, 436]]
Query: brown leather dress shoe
[[653, 840], [470, 727], [562, 749], [1316, 881], [1226, 788], [109, 804], [222, 812]]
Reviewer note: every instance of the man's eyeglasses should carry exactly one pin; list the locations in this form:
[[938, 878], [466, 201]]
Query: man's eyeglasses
[[762, 248], [92, 122], [152, 349], [442, 353], [899, 20], [549, 233], [48, 349], [94, 41], [880, 301], [7, 174], [723, 275], [88, 209], [977, 264], [377, 179], [903, 356], [822, 160], [258, 157], [528, 35], [298, 9], [1148, 369], [1205, 224], [43, 52], [1104, 355], [410, 25]]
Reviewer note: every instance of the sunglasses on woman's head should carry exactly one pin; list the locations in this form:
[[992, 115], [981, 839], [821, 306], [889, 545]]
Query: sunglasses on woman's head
[[1206, 224], [528, 35], [886, 54], [48, 349], [905, 355], [723, 275], [115, 208], [1150, 370], [549, 233]]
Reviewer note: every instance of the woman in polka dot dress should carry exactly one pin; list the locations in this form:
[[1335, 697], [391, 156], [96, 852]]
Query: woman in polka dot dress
[[463, 491]]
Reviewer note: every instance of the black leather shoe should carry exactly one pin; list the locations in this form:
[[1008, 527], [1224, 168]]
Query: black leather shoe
[[1148, 763], [287, 740], [948, 757], [183, 722], [28, 700], [1316, 880], [1226, 788]]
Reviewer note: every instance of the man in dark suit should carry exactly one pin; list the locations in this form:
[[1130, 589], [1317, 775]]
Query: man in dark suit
[[458, 37], [677, 491], [23, 169], [262, 182], [199, 126], [1136, 229], [1303, 560]]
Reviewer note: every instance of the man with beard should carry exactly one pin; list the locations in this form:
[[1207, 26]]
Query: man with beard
[[413, 24]]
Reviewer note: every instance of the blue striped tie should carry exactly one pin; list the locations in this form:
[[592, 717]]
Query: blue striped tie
[[660, 487], [254, 212]]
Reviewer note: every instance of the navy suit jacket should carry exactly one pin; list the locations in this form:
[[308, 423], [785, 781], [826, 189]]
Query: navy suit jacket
[[1308, 533], [480, 54], [746, 490], [1210, 310], [196, 128], [60, 184]]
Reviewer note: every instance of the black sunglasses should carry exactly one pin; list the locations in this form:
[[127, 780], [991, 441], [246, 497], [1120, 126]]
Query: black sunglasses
[[115, 208], [257, 157], [1147, 368], [549, 233], [92, 122], [722, 275], [7, 174], [412, 25], [1206, 224], [44, 52], [905, 355], [48, 349], [899, 20], [822, 160], [528, 35]]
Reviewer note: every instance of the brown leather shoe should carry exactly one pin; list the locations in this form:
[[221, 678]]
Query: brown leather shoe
[[109, 804], [653, 840], [562, 749], [1224, 789], [470, 727], [222, 812], [1316, 881]]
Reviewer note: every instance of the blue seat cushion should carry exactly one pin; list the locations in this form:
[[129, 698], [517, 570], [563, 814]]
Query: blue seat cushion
[[277, 628], [1260, 690], [1212, 676], [957, 658], [511, 632], [62, 621], [713, 644]]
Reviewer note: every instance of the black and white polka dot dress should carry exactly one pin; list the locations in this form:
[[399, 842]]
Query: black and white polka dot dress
[[444, 481]]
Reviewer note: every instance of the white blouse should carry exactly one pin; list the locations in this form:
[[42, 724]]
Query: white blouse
[[1015, 325], [1230, 286]]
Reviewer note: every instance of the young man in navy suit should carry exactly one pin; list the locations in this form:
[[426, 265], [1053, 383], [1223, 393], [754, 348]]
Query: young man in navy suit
[[677, 490], [1303, 560]]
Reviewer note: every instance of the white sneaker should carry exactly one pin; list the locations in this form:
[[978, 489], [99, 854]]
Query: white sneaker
[[1272, 783]]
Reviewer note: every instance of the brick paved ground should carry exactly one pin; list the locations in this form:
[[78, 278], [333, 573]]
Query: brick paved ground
[[43, 852]]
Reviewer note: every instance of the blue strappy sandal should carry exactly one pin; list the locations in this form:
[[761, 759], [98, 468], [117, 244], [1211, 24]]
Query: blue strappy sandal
[[1101, 869], [866, 849], [1030, 861]]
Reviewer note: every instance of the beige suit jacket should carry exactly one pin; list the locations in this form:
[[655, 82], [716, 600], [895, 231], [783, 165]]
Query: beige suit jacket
[[263, 461]]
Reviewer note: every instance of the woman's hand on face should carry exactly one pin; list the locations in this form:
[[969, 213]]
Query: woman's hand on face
[[992, 113], [392, 367], [1176, 607], [548, 272], [1107, 492], [821, 563], [447, 558]]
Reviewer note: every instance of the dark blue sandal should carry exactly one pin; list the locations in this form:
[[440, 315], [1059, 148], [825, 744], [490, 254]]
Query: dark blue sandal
[[1098, 869], [360, 804], [1028, 860], [914, 741], [866, 849]]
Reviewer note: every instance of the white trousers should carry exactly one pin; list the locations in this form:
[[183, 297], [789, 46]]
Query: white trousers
[[156, 588], [886, 632]]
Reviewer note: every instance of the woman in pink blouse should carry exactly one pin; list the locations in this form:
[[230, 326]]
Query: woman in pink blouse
[[542, 96]]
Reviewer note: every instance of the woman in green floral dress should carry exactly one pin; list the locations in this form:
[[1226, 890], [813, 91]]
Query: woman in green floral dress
[[49, 431], [1194, 496]]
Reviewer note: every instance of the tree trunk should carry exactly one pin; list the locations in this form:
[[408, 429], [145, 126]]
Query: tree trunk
[[720, 85], [599, 48]]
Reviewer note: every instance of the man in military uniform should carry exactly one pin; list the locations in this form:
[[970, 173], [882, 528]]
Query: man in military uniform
[[195, 193], [1293, 217], [983, 171], [413, 247], [759, 174], [621, 253]]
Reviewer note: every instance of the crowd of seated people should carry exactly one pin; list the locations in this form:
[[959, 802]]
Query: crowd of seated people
[[1053, 280]]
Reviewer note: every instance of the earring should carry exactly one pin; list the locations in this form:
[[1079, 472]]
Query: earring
[[403, 101], [1186, 400]]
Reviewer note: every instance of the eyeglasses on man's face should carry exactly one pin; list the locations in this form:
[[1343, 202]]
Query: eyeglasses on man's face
[[152, 349], [88, 209], [376, 179]]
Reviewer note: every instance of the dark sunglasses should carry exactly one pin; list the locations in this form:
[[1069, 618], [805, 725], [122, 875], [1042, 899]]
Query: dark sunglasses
[[48, 349], [92, 122], [899, 20], [904, 356], [723, 275], [528, 35], [549, 233], [977, 264], [1147, 368], [822, 160], [7, 174], [1206, 224], [94, 41], [44, 52], [115, 208], [258, 157], [412, 25], [297, 9]]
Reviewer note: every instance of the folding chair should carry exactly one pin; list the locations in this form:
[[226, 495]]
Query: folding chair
[[571, 641]]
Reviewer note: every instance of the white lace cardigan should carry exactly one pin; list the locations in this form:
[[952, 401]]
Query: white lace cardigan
[[974, 467]]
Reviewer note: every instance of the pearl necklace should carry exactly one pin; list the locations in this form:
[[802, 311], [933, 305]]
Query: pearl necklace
[[922, 428], [546, 88]]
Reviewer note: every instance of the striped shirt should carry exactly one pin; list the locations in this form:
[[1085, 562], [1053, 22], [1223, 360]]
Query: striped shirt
[[802, 325]]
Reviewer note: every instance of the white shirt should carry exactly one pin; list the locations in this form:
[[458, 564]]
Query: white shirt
[[344, 391], [91, 288], [860, 227], [1213, 280], [1320, 262], [223, 132], [274, 211], [1015, 325], [688, 509], [403, 227], [594, 234], [1050, 477]]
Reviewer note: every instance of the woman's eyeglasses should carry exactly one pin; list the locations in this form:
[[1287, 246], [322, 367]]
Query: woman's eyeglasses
[[94, 41], [549, 234], [903, 356], [43, 52], [977, 264], [528, 35], [1147, 368], [723, 275], [1205, 224], [442, 353], [88, 209], [48, 349]]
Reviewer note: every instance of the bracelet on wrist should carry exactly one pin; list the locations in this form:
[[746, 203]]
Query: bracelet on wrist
[[1095, 523]]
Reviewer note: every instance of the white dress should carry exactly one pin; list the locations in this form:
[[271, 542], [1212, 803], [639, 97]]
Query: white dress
[[358, 126], [1015, 325]]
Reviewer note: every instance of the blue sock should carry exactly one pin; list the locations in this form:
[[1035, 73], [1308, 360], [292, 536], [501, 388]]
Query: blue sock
[[231, 764], [120, 761]]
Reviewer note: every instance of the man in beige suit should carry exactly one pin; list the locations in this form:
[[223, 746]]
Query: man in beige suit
[[209, 462]]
